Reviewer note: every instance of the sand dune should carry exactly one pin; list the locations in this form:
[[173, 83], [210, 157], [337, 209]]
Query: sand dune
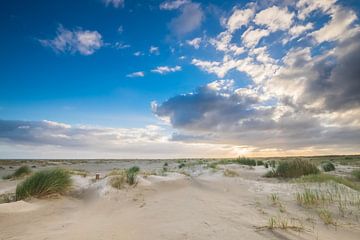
[[210, 206]]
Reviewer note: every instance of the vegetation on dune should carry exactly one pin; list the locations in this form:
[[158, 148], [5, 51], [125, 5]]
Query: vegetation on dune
[[292, 169], [45, 182], [328, 166], [230, 173], [321, 178], [356, 174], [118, 181], [131, 174], [121, 177], [19, 173]]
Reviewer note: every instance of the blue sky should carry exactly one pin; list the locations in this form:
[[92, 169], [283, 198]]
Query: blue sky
[[200, 78]]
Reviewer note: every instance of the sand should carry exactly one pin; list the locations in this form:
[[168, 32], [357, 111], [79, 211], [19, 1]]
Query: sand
[[176, 206]]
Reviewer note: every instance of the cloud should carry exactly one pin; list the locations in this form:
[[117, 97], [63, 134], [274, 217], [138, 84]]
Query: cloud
[[306, 7], [239, 18], [327, 82], [138, 53], [337, 27], [194, 42], [220, 112], [115, 3], [274, 18], [174, 4], [120, 45], [190, 19], [120, 29], [136, 74], [165, 69], [251, 36], [304, 97], [154, 50], [84, 42], [48, 139]]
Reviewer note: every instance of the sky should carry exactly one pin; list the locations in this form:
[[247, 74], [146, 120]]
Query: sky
[[179, 78]]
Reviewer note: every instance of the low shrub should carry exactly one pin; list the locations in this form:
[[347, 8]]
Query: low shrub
[[328, 166], [45, 182], [320, 178], [230, 173], [131, 174], [293, 168], [246, 161], [19, 173], [259, 163], [118, 181], [356, 174]]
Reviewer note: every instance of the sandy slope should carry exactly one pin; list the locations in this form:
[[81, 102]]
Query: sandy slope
[[205, 207]]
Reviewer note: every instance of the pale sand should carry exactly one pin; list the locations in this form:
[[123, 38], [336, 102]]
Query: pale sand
[[208, 206]]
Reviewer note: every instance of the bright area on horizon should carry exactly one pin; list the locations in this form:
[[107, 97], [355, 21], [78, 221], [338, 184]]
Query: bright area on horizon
[[182, 78]]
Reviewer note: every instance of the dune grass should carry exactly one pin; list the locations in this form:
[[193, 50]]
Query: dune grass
[[121, 177], [43, 183], [323, 177], [328, 166], [293, 169], [230, 173], [19, 173], [118, 181], [356, 174], [131, 174]]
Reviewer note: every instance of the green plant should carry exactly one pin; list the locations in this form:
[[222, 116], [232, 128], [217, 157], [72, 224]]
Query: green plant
[[326, 217], [266, 165], [131, 174], [294, 168], [328, 166], [320, 178], [19, 173], [181, 165], [274, 198], [245, 161], [356, 174], [259, 163], [118, 181], [230, 173], [43, 183]]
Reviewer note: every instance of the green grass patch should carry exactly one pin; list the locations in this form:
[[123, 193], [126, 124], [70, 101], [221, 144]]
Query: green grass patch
[[320, 178], [328, 166], [43, 183], [356, 174], [293, 169], [19, 173], [131, 174]]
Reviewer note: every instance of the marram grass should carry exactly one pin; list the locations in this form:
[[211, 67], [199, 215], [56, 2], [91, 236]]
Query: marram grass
[[293, 169], [20, 172], [45, 182]]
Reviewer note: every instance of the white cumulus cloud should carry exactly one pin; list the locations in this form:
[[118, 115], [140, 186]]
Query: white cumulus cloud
[[84, 42]]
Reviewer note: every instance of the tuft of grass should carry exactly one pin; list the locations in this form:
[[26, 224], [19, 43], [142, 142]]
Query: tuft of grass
[[42, 183], [79, 172], [118, 181], [328, 166], [19, 173], [293, 169], [274, 197], [284, 224], [245, 161], [230, 173], [326, 217], [259, 163], [356, 174], [320, 178], [131, 174]]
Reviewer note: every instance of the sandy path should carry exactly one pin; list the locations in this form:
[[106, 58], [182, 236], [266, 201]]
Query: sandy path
[[193, 208]]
